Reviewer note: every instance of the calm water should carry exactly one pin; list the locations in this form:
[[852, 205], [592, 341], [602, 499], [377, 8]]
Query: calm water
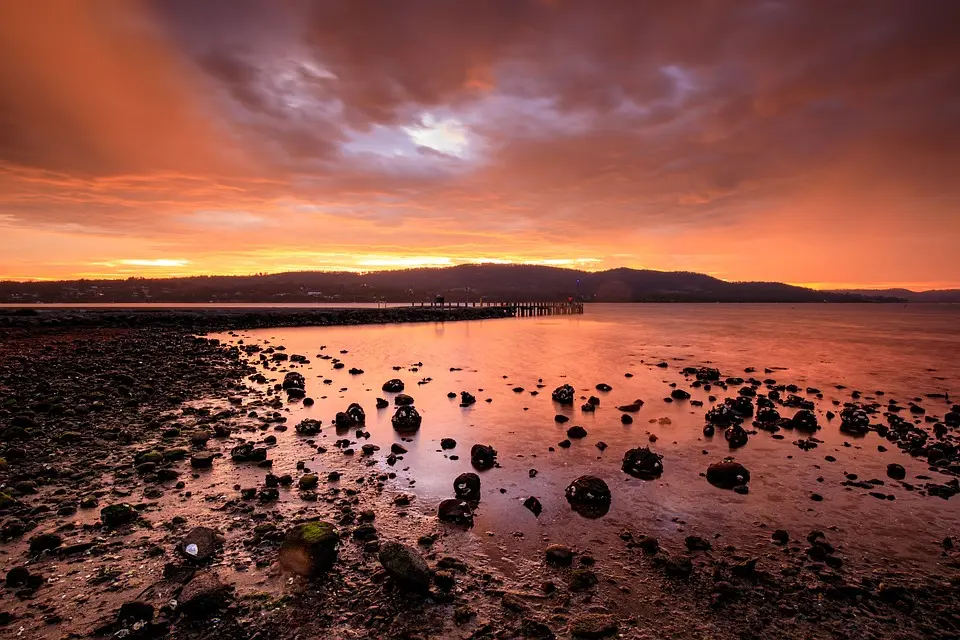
[[199, 305], [905, 351]]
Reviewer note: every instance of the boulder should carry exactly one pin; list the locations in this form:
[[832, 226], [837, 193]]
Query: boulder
[[355, 411], [117, 515], [483, 456], [642, 463], [466, 486], [308, 427], [589, 496], [204, 596], [456, 512], [564, 395], [200, 544], [405, 565], [727, 474], [310, 549], [406, 419], [393, 386], [559, 554]]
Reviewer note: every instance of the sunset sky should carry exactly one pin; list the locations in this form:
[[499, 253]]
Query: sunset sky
[[808, 141]]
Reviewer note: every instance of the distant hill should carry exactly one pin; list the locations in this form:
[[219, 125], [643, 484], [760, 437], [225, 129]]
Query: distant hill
[[460, 283], [934, 295]]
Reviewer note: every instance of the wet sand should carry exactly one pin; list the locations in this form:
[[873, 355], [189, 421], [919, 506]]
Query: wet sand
[[114, 413]]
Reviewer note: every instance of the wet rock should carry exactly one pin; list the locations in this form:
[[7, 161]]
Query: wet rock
[[247, 452], [382, 403], [308, 482], [780, 537], [466, 486], [393, 386], [448, 443], [735, 436], [679, 394], [533, 505], [200, 544], [406, 419], [589, 496], [604, 387], [293, 381], [626, 419], [456, 512], [582, 579], [563, 395], [708, 430], [356, 413], [467, 399], [398, 448], [586, 407], [576, 432], [642, 463], [204, 596], [559, 555], [44, 542], [854, 420], [310, 549], [727, 474], [483, 456], [803, 420], [696, 543], [633, 407], [560, 418], [591, 626], [201, 460], [117, 515], [723, 416], [896, 471], [405, 565]]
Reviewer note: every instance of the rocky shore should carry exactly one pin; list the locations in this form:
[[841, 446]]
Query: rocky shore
[[138, 499], [199, 320]]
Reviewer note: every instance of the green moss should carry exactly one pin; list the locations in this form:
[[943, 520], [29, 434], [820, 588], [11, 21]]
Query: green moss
[[149, 456], [314, 532], [5, 500]]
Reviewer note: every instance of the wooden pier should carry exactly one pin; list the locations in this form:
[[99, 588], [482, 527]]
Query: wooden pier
[[518, 309]]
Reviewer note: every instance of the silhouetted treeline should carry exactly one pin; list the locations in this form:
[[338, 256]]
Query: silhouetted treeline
[[461, 283]]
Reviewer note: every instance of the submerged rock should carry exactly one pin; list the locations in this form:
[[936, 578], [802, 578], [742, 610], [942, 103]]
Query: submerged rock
[[406, 419], [456, 512], [393, 386], [727, 474], [642, 463], [564, 395], [483, 456], [589, 496], [466, 486], [310, 549]]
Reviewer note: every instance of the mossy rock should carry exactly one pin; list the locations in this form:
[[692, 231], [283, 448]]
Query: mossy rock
[[148, 456], [6, 500], [310, 549], [175, 454], [117, 515]]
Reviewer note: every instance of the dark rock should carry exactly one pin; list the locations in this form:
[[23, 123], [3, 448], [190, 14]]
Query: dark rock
[[533, 505], [559, 555], [679, 394], [393, 386], [117, 515], [406, 419], [727, 474], [405, 565], [735, 436], [896, 471], [448, 443], [642, 463], [466, 486], [564, 395], [44, 542], [576, 432], [204, 596], [589, 496], [200, 544], [591, 626], [696, 543], [456, 512], [310, 549], [483, 456]]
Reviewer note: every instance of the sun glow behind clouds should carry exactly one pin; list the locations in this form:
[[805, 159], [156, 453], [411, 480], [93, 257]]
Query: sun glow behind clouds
[[160, 262]]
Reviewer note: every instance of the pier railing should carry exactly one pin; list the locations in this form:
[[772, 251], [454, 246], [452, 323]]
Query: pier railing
[[519, 309]]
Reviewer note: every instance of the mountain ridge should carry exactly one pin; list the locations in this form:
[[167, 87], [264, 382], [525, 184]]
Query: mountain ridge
[[456, 284]]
